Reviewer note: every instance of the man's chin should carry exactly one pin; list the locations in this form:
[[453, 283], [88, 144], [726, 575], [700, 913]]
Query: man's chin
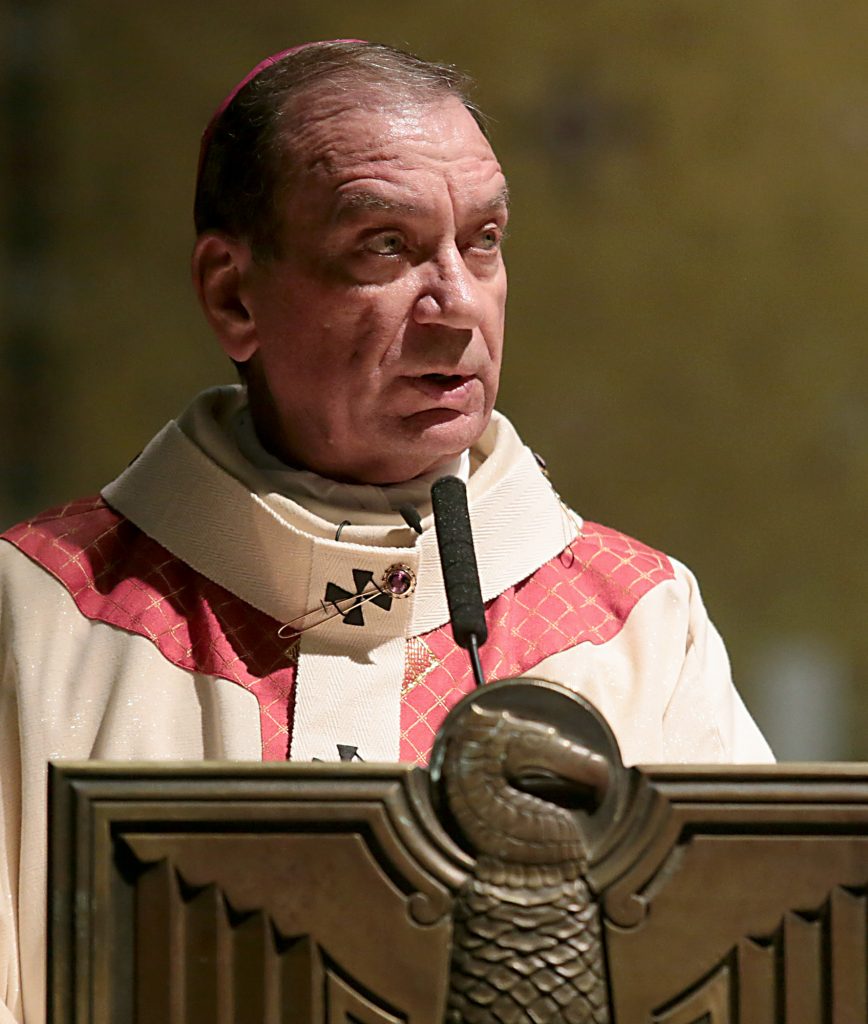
[[407, 448], [438, 436]]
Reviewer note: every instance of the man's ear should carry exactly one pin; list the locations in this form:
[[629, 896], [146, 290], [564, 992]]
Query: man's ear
[[221, 268]]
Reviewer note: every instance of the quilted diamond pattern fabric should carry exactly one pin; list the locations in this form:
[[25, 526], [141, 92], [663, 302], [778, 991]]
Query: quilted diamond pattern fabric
[[584, 595], [118, 575]]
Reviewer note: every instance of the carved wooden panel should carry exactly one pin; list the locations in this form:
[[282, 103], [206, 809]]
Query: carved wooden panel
[[272, 895], [529, 879], [745, 899]]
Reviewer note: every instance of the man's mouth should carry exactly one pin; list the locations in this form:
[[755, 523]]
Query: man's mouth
[[446, 390], [446, 380]]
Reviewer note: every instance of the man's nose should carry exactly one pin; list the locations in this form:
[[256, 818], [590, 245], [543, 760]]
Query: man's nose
[[450, 295]]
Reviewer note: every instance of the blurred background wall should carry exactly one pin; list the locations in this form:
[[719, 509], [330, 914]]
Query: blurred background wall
[[688, 305]]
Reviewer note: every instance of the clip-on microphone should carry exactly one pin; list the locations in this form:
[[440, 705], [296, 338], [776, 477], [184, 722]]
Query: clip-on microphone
[[460, 575]]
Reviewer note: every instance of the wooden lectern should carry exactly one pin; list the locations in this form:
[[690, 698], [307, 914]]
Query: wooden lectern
[[526, 877]]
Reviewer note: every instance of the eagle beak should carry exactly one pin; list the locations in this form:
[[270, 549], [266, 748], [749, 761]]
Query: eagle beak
[[565, 774]]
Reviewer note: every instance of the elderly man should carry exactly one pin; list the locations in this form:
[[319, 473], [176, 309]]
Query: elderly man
[[263, 580]]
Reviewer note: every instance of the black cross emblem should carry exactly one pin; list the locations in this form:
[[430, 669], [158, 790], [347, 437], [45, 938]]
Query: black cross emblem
[[334, 595], [346, 752]]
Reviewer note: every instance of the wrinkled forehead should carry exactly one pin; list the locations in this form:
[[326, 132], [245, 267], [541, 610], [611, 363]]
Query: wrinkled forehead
[[331, 130]]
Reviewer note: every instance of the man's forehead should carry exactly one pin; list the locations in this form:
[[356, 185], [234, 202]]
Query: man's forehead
[[334, 129], [403, 156]]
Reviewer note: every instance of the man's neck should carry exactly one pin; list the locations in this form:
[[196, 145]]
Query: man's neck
[[303, 485]]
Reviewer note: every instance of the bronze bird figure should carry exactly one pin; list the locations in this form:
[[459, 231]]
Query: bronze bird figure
[[527, 945]]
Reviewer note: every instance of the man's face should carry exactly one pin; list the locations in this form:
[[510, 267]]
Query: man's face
[[379, 328]]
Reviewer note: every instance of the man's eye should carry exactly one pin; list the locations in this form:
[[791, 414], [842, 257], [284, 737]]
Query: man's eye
[[387, 243], [488, 239]]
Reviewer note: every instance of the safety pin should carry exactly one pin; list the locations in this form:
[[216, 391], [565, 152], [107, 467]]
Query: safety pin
[[398, 581], [328, 611]]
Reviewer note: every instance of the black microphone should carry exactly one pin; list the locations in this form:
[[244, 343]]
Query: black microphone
[[460, 575]]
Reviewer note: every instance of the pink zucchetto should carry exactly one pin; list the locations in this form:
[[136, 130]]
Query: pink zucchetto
[[260, 67]]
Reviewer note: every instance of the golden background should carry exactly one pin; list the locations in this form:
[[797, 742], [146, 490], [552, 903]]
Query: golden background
[[687, 254]]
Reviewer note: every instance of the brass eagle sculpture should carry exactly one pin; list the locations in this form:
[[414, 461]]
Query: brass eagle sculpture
[[526, 945]]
